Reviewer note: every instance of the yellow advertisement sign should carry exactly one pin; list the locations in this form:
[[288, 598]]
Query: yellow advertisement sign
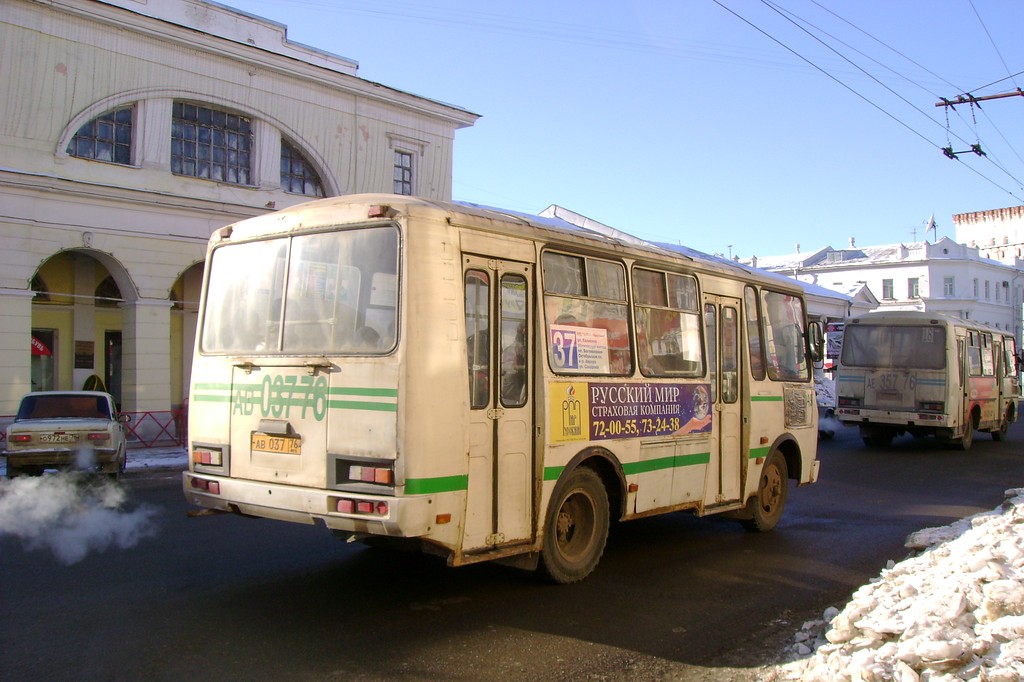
[[568, 412]]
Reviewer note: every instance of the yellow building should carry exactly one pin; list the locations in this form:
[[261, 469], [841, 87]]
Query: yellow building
[[129, 131]]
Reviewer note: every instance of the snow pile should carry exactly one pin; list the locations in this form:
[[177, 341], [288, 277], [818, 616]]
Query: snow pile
[[954, 612], [824, 390]]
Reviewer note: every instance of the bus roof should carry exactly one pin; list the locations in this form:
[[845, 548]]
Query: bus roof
[[553, 228], [920, 317]]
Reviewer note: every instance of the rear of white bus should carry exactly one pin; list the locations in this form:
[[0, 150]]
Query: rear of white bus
[[295, 380], [896, 378]]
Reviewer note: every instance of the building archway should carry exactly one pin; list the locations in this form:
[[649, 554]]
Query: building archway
[[184, 298], [77, 320]]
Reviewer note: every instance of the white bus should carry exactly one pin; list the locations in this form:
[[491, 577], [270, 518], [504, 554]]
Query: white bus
[[926, 374], [491, 386]]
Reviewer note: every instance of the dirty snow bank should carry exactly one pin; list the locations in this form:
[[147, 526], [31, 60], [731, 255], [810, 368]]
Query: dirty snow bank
[[954, 612]]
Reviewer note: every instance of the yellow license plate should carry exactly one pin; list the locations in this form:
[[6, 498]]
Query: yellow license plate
[[282, 445]]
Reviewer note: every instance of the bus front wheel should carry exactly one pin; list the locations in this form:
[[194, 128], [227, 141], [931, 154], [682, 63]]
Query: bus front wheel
[[577, 527], [767, 505]]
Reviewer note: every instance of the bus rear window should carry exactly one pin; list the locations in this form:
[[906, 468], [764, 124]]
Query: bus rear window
[[313, 294], [913, 347]]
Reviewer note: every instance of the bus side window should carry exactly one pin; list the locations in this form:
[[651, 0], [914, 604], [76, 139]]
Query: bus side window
[[756, 347], [478, 345], [784, 331], [711, 327]]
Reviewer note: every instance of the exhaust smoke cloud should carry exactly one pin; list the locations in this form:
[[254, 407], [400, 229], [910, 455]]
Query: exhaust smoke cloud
[[71, 514]]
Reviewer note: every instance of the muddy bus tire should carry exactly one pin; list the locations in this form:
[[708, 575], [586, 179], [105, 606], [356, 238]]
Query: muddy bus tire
[[999, 435], [767, 506], [965, 441], [576, 529]]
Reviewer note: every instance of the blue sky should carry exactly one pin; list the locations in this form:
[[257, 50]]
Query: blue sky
[[739, 127]]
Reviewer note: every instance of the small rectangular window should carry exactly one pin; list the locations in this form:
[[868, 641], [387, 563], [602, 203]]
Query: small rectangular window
[[887, 290], [948, 287], [403, 173], [913, 288]]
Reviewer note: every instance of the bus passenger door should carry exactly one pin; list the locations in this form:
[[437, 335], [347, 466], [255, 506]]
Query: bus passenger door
[[726, 467], [499, 327]]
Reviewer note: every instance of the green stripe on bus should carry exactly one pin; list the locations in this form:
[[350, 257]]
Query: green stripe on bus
[[662, 463], [213, 387], [759, 452], [354, 405], [368, 392], [631, 468], [441, 484], [766, 398], [552, 473]]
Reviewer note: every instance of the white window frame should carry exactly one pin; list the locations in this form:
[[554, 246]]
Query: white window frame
[[407, 145]]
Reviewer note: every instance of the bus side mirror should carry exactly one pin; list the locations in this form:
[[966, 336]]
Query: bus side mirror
[[815, 341]]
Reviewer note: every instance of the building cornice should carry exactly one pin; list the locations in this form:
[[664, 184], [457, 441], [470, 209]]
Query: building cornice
[[256, 56]]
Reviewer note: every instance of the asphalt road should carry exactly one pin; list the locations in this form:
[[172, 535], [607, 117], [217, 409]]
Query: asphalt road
[[674, 598]]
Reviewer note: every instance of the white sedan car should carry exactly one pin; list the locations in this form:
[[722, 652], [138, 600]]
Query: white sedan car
[[66, 430]]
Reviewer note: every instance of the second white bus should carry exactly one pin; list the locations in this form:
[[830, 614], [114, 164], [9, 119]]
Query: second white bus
[[926, 374]]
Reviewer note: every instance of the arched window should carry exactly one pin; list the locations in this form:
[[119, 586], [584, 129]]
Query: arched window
[[106, 138], [42, 292], [297, 174], [211, 144], [108, 294]]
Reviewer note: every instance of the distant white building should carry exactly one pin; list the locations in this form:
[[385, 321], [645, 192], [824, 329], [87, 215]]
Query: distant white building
[[997, 233], [941, 277], [129, 131]]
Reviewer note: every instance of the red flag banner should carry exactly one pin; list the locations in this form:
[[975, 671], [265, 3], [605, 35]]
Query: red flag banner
[[39, 348]]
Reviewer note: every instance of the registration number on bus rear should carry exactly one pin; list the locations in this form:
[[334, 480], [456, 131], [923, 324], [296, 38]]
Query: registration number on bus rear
[[281, 445]]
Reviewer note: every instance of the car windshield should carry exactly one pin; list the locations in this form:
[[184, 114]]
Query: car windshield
[[64, 406]]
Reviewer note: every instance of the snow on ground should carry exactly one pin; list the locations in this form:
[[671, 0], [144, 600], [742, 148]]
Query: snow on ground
[[953, 612], [173, 457]]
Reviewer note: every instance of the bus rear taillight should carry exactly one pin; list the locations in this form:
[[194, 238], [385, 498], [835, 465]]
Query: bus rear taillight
[[361, 474], [208, 456], [382, 475], [937, 406], [345, 505], [212, 487], [846, 401]]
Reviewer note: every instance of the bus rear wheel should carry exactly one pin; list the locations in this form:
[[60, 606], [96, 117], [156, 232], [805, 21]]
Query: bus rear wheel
[[767, 506], [577, 528], [965, 441], [999, 435]]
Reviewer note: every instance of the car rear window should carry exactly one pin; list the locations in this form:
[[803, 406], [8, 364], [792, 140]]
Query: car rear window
[[64, 406]]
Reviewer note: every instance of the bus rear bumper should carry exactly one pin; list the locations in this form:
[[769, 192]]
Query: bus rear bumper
[[897, 418], [391, 516]]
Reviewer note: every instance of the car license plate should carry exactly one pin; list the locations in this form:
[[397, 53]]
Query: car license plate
[[58, 438], [282, 445]]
